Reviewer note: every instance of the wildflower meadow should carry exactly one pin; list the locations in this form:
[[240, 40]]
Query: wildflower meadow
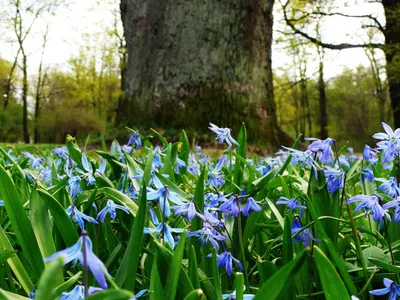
[[159, 220]]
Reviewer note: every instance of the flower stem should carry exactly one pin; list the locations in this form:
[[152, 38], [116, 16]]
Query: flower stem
[[85, 264], [390, 246], [239, 228]]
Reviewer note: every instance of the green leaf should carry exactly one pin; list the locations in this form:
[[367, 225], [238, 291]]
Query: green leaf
[[4, 255], [384, 265], [281, 280], [4, 295], [155, 282], [266, 269], [42, 229], [276, 213], [160, 136], [74, 151], [289, 158], [46, 283], [60, 218], [332, 284], [241, 151], [15, 264], [123, 199], [193, 268], [215, 273], [111, 294], [175, 269], [66, 285], [20, 222], [196, 295], [239, 285], [130, 260], [148, 166], [184, 149]]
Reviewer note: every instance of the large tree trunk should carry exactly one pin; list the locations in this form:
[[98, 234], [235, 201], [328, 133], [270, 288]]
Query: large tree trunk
[[323, 115], [392, 53], [25, 97], [191, 62]]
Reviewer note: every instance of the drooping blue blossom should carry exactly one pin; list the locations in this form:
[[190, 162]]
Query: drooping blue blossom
[[162, 196], [187, 210], [323, 148], [78, 293], [102, 167], [343, 161], [223, 135], [231, 207], [111, 208], [163, 229], [135, 140], [391, 288], [390, 142], [207, 234], [292, 204], [395, 204], [389, 187], [304, 236], [87, 171], [213, 199], [250, 206], [215, 177], [35, 161], [371, 205], [61, 152], [75, 254], [157, 163], [74, 186], [304, 159], [78, 216], [335, 179], [367, 174], [370, 155], [180, 164], [225, 260]]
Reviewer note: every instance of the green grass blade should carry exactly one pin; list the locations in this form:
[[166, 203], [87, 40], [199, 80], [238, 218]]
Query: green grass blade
[[276, 213], [332, 284], [4, 295], [130, 260], [241, 151], [281, 280], [155, 282], [175, 269], [66, 285], [46, 283], [15, 264], [20, 222], [193, 268]]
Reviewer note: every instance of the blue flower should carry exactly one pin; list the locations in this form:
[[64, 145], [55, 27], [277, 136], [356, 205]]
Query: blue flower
[[225, 260], [335, 179], [233, 296], [75, 253], [162, 196], [231, 207], [207, 234], [390, 287], [223, 135], [78, 216], [323, 148], [102, 167], [88, 171], [302, 236], [390, 142], [292, 204], [135, 140], [36, 162], [163, 229], [250, 206], [394, 204], [1, 203], [78, 293], [157, 163], [139, 294], [303, 159], [389, 187], [369, 154], [344, 162], [187, 210], [215, 178], [61, 152], [110, 208], [371, 205], [180, 164], [367, 174]]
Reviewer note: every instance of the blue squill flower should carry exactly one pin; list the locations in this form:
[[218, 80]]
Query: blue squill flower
[[180, 164], [344, 162], [75, 253], [74, 186], [323, 148], [292, 204], [250, 206], [87, 171], [139, 294], [135, 140], [163, 229], [78, 216], [187, 210], [1, 203], [304, 236], [207, 234], [225, 259], [223, 135], [390, 142], [36, 161], [157, 163], [78, 293], [371, 205], [231, 207], [61, 152], [389, 187], [110, 208], [303, 159], [102, 167], [395, 204], [335, 179], [370, 154], [391, 288], [367, 174], [162, 196], [215, 177]]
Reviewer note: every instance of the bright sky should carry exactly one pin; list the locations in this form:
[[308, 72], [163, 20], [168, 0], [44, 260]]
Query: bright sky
[[91, 16]]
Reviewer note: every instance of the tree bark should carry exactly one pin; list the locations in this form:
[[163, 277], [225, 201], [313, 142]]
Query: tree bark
[[323, 115], [25, 88], [194, 62], [392, 54]]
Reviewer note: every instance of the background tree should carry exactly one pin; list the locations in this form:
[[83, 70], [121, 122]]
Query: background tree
[[193, 62]]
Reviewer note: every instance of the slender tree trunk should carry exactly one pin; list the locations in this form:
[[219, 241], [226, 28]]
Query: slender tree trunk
[[191, 62], [25, 88], [392, 54], [323, 115]]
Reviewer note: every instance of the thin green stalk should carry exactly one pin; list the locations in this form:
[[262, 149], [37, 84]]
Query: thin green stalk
[[239, 228], [390, 246], [85, 264]]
